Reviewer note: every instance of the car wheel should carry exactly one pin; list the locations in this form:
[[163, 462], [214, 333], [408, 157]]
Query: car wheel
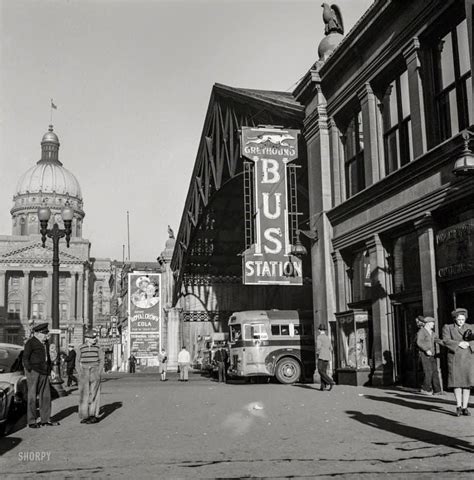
[[288, 371]]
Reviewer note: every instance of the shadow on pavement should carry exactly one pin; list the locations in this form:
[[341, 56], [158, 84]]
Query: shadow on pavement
[[407, 431], [65, 413], [8, 443], [430, 399], [108, 409], [414, 405]]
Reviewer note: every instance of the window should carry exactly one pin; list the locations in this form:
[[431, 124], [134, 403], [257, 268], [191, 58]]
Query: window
[[280, 329], [406, 263], [453, 90], [360, 276], [14, 310], [255, 332], [354, 155], [235, 333], [37, 310], [397, 124]]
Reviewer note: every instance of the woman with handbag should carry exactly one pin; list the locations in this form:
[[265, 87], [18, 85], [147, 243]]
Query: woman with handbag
[[460, 345]]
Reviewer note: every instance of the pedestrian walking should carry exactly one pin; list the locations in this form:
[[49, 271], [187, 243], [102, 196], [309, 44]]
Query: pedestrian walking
[[425, 341], [37, 363], [460, 347], [220, 357], [324, 353], [163, 359], [184, 358], [89, 365], [132, 361], [70, 365]]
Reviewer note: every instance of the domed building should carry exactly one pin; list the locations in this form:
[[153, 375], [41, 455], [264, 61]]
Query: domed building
[[26, 267]]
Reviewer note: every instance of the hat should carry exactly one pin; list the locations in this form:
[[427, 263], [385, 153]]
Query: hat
[[41, 328], [71, 345], [459, 311], [427, 320], [322, 327], [90, 333], [141, 279]]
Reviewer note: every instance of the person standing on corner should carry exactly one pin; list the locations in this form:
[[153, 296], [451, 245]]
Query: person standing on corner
[[425, 341], [132, 361], [37, 363], [163, 359], [184, 358], [89, 365], [220, 358], [460, 359], [71, 363], [324, 352]]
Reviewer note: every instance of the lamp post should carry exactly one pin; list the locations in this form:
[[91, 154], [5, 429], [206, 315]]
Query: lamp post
[[298, 249], [464, 165], [55, 233]]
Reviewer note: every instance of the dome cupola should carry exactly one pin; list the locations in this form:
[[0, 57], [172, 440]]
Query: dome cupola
[[47, 183]]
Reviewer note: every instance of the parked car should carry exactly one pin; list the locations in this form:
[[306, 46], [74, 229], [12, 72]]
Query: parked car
[[13, 386]]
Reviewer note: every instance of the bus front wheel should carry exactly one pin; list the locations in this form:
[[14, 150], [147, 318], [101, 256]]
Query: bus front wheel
[[288, 370]]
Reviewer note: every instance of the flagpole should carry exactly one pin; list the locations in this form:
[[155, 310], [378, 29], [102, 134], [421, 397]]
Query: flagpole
[[128, 235]]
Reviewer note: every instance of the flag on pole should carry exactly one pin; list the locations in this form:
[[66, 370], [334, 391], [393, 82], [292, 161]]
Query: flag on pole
[[53, 105]]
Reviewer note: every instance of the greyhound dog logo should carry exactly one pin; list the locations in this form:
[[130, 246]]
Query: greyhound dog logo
[[274, 139]]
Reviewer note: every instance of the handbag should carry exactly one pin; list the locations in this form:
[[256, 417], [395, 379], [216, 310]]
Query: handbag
[[468, 336]]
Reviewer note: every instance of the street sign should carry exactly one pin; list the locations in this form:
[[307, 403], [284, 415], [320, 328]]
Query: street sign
[[55, 331]]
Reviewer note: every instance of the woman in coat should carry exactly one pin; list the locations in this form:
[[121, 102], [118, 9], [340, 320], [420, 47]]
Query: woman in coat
[[460, 360]]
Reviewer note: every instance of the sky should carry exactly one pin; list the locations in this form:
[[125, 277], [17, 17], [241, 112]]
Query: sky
[[131, 80]]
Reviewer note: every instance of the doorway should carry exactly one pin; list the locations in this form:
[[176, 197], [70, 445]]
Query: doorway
[[408, 368]]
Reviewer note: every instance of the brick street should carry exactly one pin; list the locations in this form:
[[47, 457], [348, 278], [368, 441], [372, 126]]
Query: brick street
[[202, 429]]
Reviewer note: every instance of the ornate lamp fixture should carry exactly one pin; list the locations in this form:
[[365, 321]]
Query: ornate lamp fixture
[[55, 233], [464, 165], [298, 249]]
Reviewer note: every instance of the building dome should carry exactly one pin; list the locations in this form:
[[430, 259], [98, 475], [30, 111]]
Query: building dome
[[49, 184], [49, 177]]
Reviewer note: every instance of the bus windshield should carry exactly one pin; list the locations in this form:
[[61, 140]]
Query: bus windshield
[[235, 333]]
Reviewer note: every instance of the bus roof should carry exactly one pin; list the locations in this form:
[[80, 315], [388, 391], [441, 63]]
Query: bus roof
[[256, 315]]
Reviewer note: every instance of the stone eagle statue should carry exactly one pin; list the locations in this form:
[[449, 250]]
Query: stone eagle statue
[[332, 19], [170, 232]]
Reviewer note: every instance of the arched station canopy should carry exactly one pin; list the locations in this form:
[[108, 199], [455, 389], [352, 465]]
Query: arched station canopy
[[211, 234]]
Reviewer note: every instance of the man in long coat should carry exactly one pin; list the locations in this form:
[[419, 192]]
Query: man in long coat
[[37, 363]]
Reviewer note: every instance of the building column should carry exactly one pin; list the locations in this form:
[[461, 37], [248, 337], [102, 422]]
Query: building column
[[340, 281], [426, 243], [80, 299], [72, 316], [49, 299], [338, 192], [3, 299], [26, 295], [173, 339], [415, 87], [86, 298], [373, 155], [382, 347]]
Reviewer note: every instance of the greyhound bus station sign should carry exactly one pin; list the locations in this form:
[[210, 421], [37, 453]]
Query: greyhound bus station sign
[[269, 259]]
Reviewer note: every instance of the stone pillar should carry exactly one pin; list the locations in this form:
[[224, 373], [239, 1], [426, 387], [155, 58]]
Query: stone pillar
[[49, 299], [337, 166], [80, 299], [415, 86], [340, 281], [426, 243], [73, 315], [381, 326], [86, 298], [3, 297], [26, 295], [373, 158], [173, 339]]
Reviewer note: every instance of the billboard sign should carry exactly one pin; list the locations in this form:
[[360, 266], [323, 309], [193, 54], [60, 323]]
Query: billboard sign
[[145, 345], [144, 311], [269, 259]]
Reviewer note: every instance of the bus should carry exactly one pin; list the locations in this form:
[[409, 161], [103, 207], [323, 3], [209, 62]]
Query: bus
[[272, 343]]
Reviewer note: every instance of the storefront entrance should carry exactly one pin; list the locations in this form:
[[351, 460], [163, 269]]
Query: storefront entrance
[[407, 367]]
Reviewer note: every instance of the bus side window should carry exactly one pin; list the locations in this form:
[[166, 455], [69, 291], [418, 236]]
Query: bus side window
[[297, 330], [285, 329], [275, 329], [259, 332], [248, 332]]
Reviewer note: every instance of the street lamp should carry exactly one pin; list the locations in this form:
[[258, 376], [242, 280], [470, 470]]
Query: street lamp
[[55, 233], [464, 165], [298, 249]]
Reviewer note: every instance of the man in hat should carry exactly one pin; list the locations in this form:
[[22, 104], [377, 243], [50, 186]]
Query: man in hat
[[324, 353], [37, 363], [425, 340], [89, 364], [70, 365]]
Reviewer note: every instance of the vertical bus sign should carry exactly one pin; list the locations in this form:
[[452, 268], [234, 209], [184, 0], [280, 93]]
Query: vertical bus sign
[[269, 259]]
